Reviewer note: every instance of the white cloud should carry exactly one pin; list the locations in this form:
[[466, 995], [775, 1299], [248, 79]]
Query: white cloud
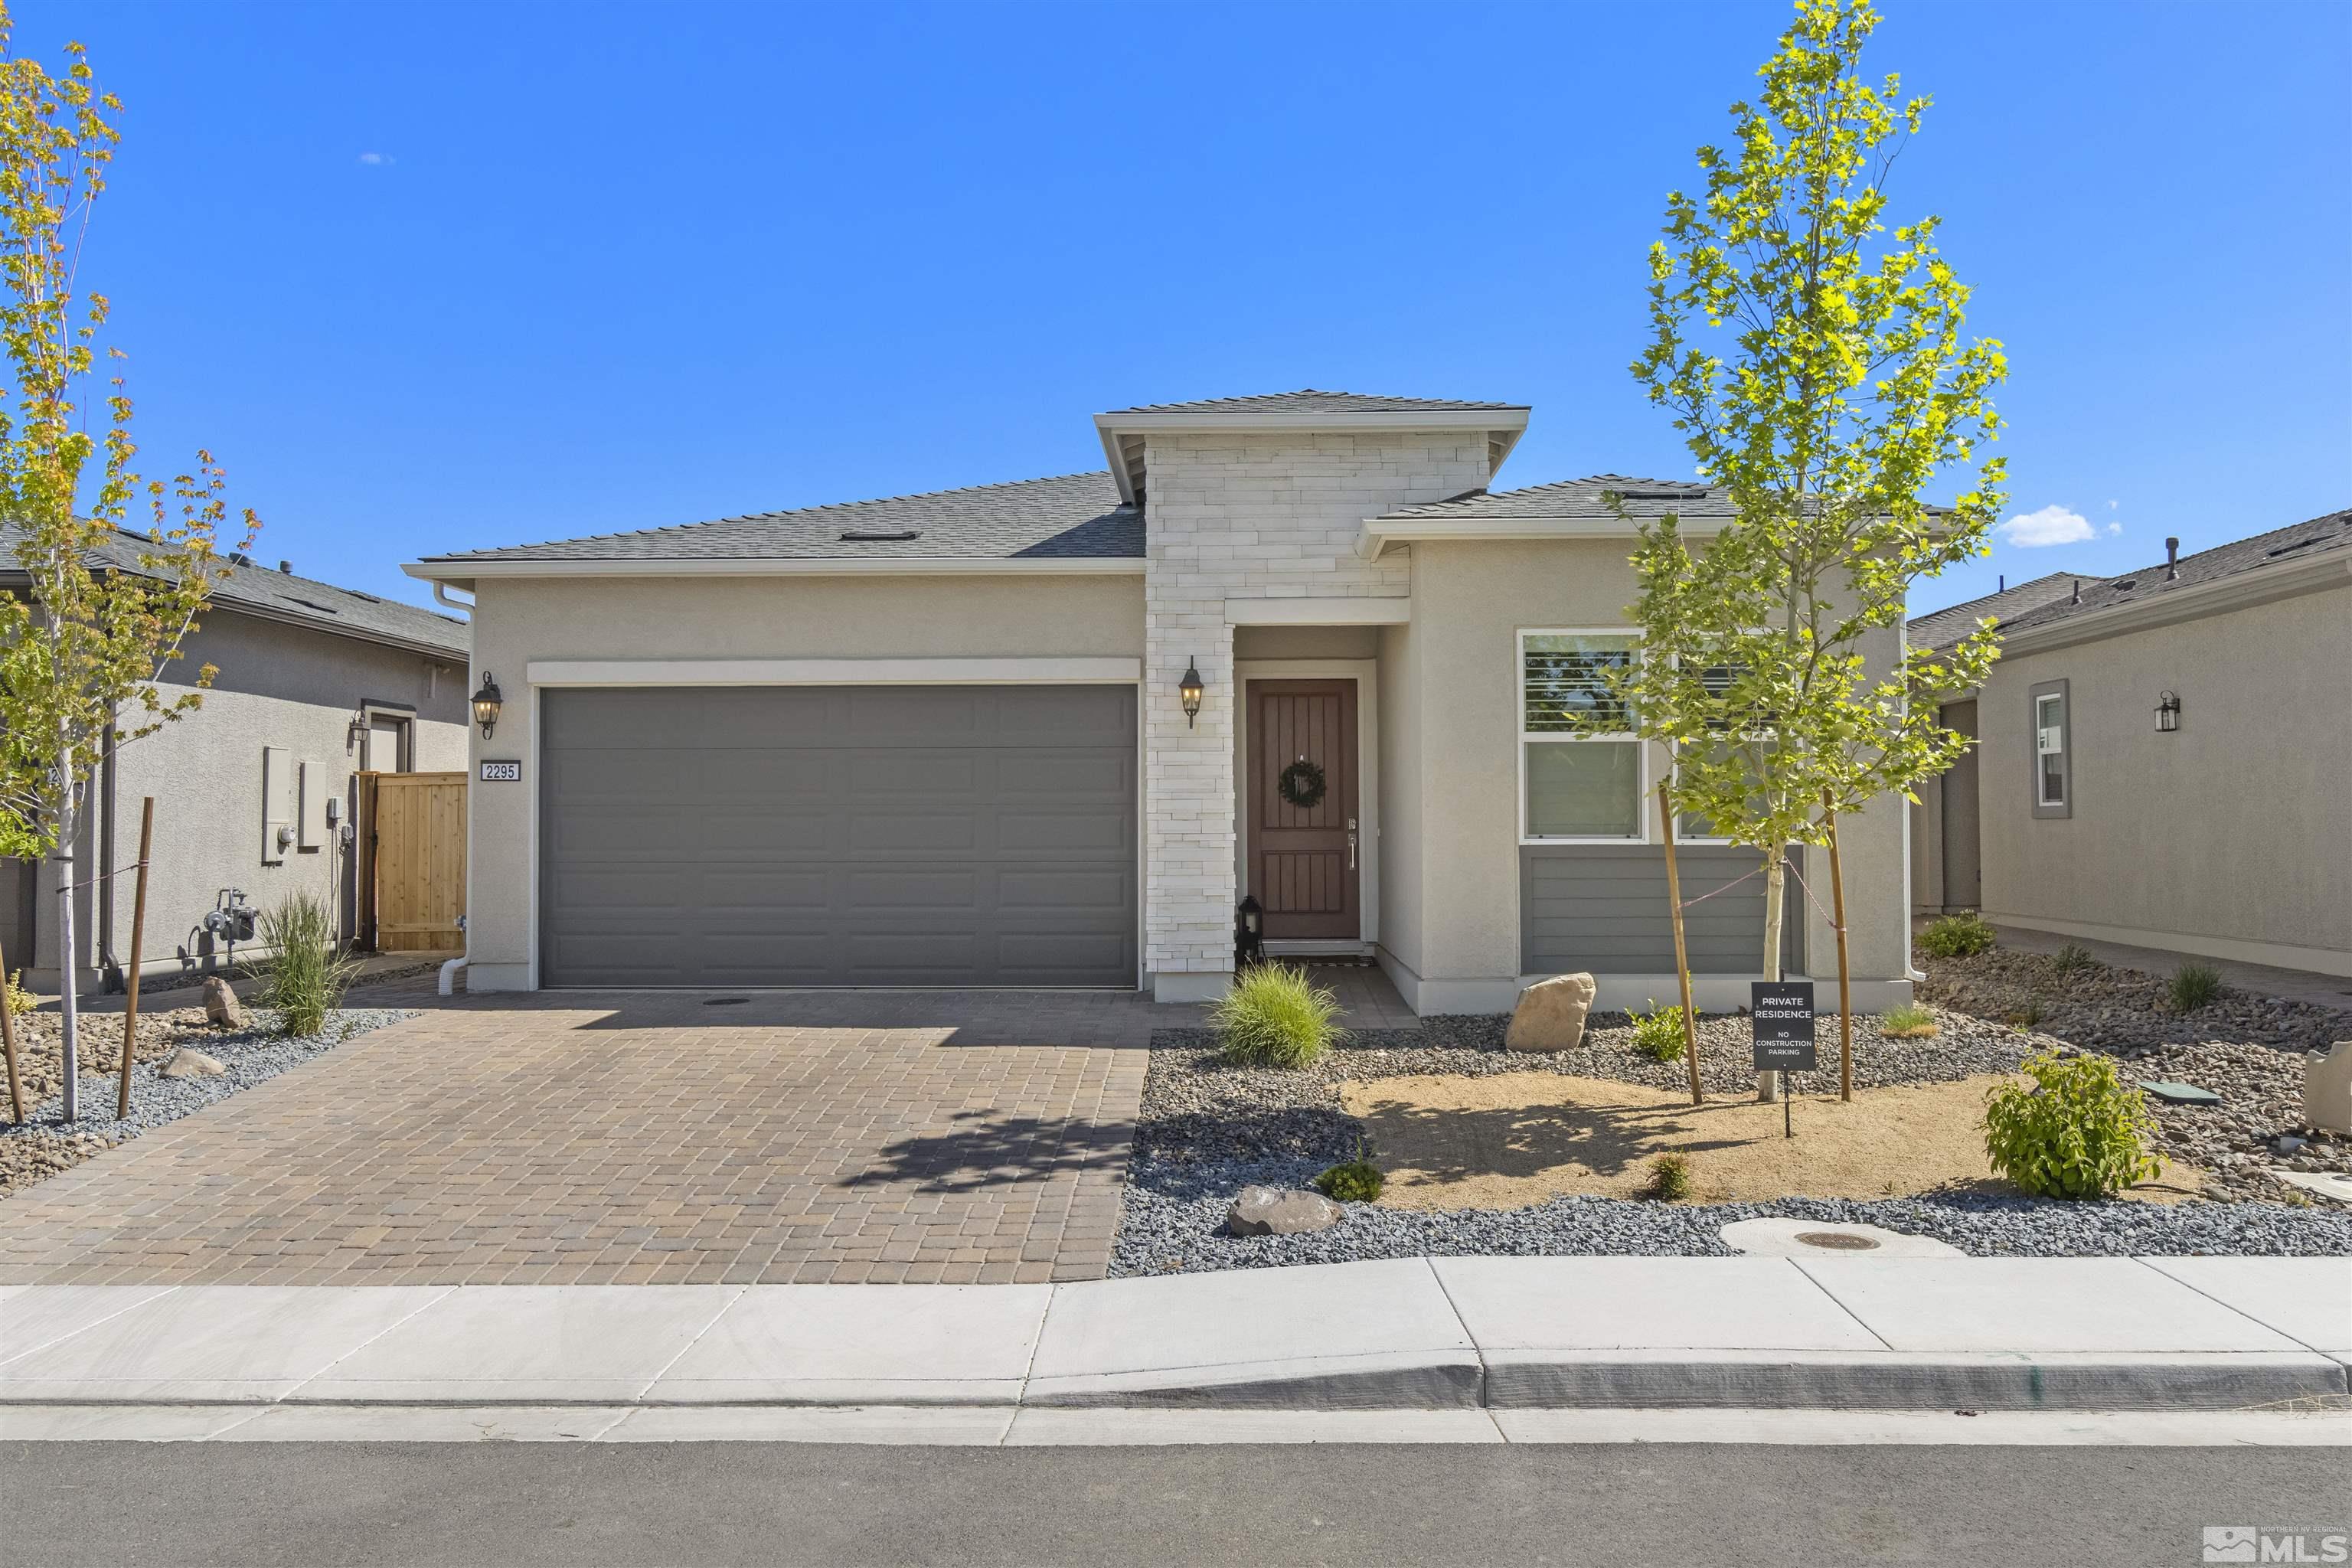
[[2114, 528], [378, 158], [2050, 525], [2112, 505]]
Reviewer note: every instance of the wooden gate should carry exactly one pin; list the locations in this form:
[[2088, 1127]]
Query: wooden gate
[[412, 874]]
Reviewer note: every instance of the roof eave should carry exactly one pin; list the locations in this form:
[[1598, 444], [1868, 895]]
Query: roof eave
[[18, 582], [2240, 590], [462, 574], [1379, 532]]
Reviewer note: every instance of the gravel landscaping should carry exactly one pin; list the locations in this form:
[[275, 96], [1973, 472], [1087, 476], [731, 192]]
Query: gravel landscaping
[[45, 1145], [1206, 1131]]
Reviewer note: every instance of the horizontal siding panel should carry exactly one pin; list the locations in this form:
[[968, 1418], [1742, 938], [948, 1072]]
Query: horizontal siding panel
[[1602, 907]]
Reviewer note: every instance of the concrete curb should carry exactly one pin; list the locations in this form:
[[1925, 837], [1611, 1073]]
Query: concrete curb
[[1535, 1333]]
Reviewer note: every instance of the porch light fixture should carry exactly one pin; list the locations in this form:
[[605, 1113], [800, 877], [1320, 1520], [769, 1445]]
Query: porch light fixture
[[1190, 689], [486, 703], [2168, 714]]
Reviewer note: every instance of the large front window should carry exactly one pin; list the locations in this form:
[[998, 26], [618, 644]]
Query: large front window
[[1580, 766]]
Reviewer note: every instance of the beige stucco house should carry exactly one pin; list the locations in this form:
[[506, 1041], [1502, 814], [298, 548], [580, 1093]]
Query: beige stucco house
[[946, 739], [2162, 756], [253, 792]]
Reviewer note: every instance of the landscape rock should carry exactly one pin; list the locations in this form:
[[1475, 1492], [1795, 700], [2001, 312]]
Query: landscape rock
[[1551, 1014], [188, 1063], [2327, 1090], [1281, 1211], [221, 1004]]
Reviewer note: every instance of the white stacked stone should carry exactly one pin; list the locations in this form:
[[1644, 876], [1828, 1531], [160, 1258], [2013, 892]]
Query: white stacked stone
[[1270, 515]]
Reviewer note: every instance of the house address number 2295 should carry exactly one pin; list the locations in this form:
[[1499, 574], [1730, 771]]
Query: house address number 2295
[[502, 772]]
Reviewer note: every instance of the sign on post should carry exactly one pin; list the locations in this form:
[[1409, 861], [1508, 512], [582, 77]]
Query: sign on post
[[1783, 1012], [502, 771]]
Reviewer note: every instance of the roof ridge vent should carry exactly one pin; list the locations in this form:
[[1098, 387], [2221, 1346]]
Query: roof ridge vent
[[879, 535]]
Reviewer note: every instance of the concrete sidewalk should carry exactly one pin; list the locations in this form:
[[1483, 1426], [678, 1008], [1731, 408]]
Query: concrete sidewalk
[[1497, 1333]]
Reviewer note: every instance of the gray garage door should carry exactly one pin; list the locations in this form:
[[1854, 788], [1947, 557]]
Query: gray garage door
[[838, 836]]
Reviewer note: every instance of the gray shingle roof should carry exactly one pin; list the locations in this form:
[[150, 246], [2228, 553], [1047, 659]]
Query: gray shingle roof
[[285, 597], [1577, 499], [1075, 515], [1309, 401], [1941, 629], [2330, 535]]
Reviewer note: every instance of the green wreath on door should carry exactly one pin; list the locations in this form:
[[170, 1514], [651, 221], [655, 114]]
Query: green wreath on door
[[1302, 784]]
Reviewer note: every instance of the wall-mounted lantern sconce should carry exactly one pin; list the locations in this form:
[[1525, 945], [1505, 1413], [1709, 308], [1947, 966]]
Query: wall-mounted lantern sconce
[[2168, 714], [486, 703], [1190, 689], [1249, 932]]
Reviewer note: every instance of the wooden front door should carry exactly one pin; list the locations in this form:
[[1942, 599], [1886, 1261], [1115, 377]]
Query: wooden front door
[[1305, 849]]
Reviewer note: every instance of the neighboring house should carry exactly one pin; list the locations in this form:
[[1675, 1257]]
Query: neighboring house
[[944, 740], [315, 682], [2163, 759]]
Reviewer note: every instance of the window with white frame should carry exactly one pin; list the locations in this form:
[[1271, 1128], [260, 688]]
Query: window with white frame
[[1693, 827], [2050, 749], [1581, 768]]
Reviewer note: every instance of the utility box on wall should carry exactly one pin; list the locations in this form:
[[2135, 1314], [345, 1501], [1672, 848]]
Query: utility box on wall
[[280, 804], [315, 785]]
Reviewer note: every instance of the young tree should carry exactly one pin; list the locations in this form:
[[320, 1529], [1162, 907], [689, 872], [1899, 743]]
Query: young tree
[[83, 652], [1819, 378]]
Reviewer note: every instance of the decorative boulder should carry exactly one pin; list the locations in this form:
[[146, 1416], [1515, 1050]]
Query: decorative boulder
[[187, 1063], [1280, 1211], [1551, 1014], [221, 1004], [2327, 1089]]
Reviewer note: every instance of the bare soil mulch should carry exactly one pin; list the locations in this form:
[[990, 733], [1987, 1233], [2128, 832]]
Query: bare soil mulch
[[1519, 1139]]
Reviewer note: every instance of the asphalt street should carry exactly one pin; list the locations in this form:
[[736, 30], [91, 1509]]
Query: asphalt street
[[1623, 1506]]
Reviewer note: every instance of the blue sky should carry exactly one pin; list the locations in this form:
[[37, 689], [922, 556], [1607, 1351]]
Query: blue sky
[[437, 278]]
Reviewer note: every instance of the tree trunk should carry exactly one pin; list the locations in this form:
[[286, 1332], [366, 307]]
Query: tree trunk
[[1845, 981], [1768, 1084], [68, 971]]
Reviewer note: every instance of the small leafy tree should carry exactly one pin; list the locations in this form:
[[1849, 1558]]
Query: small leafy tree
[[83, 652], [1820, 379]]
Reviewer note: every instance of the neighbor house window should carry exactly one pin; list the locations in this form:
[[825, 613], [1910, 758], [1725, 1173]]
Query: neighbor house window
[[1581, 765], [2053, 752]]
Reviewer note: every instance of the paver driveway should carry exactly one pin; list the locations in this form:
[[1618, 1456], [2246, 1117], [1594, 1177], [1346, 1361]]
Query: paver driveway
[[635, 1138]]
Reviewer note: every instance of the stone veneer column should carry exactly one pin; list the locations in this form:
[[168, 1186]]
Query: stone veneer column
[[1268, 515]]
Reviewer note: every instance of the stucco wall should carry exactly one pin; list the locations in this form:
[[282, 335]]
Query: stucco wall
[[2232, 835], [278, 686], [1398, 836], [519, 620], [1470, 599], [1272, 515]]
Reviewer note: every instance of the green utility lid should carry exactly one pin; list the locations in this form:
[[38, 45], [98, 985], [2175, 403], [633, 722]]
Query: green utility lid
[[2181, 1093]]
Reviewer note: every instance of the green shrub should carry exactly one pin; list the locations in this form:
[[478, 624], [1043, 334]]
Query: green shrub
[[2079, 1132], [2071, 960], [2193, 985], [1957, 936], [1670, 1179], [1275, 1016], [1907, 1021], [305, 980], [14, 996], [1658, 1034], [1358, 1181]]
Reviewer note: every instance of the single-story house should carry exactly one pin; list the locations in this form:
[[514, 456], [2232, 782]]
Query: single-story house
[[253, 791], [1294, 648], [2161, 756]]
